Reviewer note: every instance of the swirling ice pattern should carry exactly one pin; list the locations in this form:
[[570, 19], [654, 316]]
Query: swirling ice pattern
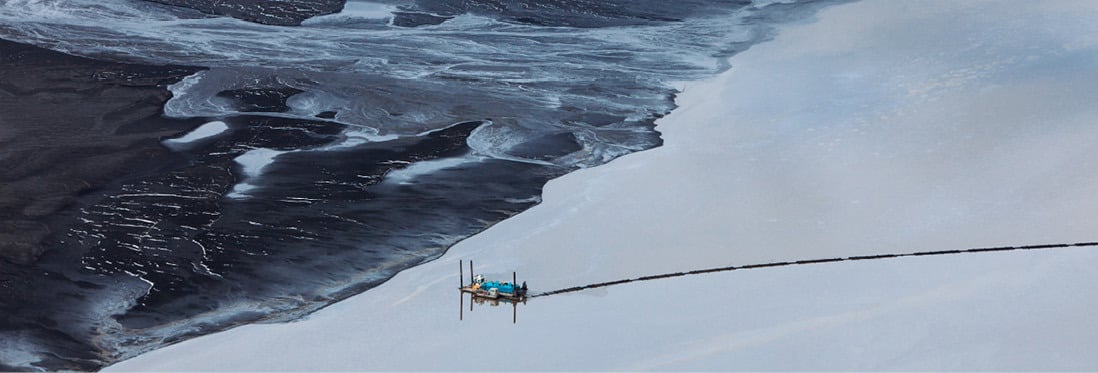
[[382, 79]]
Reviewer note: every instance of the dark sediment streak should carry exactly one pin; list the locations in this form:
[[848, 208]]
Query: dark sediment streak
[[69, 127], [270, 12]]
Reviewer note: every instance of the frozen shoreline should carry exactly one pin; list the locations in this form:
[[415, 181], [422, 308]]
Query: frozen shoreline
[[882, 127]]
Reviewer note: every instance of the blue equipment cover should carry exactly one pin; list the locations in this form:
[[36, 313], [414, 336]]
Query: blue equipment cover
[[504, 287]]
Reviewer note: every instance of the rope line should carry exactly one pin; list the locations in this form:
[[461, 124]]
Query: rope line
[[812, 261]]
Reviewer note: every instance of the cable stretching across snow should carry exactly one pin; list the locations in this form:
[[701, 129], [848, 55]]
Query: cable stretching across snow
[[810, 261]]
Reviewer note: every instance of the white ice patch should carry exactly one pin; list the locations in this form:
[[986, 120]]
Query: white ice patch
[[16, 352], [355, 136], [531, 199], [254, 161], [405, 175], [496, 141], [312, 103], [354, 10], [149, 284], [252, 164], [306, 103], [764, 3], [204, 131], [190, 99]]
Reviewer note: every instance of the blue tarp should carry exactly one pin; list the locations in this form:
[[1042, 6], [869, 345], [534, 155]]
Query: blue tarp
[[504, 287]]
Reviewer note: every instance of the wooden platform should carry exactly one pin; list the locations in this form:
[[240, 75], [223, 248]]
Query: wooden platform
[[484, 294]]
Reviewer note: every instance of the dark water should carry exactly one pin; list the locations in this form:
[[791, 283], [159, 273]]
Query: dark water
[[358, 144]]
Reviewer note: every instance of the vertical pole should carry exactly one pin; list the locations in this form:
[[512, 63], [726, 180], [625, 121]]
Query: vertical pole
[[461, 305], [514, 303], [471, 272], [461, 273]]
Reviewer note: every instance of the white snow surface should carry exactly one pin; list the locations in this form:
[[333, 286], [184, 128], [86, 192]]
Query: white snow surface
[[882, 127]]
